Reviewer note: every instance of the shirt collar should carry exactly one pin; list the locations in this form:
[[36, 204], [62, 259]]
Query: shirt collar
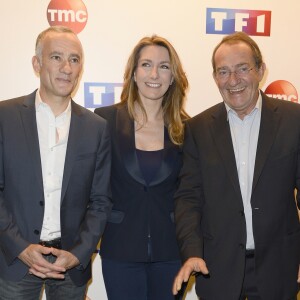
[[39, 103]]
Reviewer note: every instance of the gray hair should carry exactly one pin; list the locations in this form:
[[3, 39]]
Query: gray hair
[[43, 34]]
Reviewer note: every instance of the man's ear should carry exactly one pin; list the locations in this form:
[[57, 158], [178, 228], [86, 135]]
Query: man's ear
[[261, 71], [36, 64], [215, 78]]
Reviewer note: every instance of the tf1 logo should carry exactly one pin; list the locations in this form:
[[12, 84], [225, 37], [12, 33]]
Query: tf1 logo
[[227, 21], [97, 94], [283, 90], [69, 13]]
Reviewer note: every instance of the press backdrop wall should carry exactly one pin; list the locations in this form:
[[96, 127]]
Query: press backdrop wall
[[110, 29]]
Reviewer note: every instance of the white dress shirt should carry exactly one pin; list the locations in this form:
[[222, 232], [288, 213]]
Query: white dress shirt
[[244, 134], [53, 135]]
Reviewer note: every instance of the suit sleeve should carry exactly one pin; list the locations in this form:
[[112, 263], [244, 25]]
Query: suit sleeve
[[298, 179], [100, 203], [11, 241], [189, 200]]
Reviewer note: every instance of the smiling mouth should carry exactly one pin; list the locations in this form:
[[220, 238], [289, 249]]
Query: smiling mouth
[[63, 80], [236, 91], [153, 85]]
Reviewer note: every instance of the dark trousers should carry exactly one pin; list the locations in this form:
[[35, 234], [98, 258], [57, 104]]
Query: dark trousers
[[30, 288], [249, 290], [139, 281]]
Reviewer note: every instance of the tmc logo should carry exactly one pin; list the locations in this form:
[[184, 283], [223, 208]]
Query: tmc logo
[[70, 13], [98, 94], [283, 90], [227, 21]]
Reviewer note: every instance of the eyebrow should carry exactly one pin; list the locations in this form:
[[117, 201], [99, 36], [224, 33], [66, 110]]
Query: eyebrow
[[161, 62], [61, 54], [75, 55], [236, 66], [55, 53]]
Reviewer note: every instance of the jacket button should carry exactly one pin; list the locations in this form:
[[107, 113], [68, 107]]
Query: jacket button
[[145, 189], [241, 213], [242, 246], [36, 231], [41, 203]]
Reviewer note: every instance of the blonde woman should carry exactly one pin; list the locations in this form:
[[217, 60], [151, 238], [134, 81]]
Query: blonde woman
[[140, 256]]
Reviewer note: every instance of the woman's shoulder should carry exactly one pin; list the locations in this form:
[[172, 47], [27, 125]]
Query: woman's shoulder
[[108, 112]]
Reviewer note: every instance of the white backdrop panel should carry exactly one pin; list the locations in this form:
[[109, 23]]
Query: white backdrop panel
[[114, 27]]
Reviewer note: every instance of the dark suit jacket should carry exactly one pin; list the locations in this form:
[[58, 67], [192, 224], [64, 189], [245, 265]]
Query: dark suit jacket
[[139, 209], [85, 199], [209, 212]]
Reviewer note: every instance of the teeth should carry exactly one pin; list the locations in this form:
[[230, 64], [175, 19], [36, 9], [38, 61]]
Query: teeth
[[154, 85], [236, 90]]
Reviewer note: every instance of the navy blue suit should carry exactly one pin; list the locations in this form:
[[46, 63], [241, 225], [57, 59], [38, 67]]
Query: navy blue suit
[[143, 214], [85, 196]]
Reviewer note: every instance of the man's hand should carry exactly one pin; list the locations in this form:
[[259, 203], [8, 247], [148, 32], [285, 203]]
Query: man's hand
[[32, 256], [193, 264], [298, 275], [65, 259]]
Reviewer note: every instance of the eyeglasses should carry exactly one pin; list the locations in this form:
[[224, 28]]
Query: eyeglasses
[[241, 71]]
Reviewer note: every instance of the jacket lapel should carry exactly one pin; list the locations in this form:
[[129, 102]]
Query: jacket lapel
[[29, 122], [220, 130], [28, 118], [72, 145], [267, 132], [126, 144]]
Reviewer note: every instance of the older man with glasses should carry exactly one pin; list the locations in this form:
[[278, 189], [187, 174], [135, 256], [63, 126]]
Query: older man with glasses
[[236, 215]]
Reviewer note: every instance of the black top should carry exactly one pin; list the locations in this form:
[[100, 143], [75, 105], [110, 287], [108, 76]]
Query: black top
[[149, 162]]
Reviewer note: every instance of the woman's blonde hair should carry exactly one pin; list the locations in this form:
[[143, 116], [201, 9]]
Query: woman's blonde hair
[[173, 100]]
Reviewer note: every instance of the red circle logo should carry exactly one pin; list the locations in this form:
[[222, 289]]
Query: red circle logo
[[282, 89], [69, 13]]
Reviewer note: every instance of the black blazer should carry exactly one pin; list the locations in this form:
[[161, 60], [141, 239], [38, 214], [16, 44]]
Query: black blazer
[[85, 195], [209, 208], [139, 209]]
